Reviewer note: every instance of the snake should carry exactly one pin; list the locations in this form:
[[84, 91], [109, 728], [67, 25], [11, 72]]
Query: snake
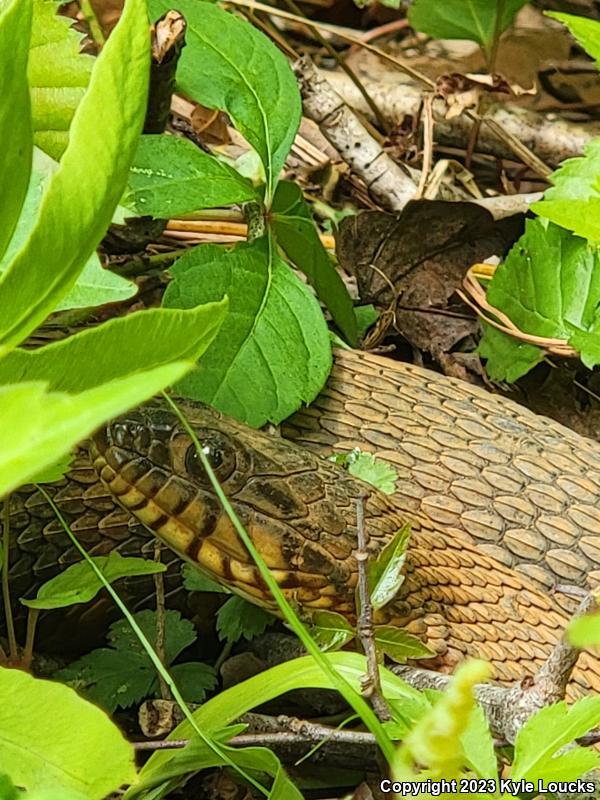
[[502, 505]]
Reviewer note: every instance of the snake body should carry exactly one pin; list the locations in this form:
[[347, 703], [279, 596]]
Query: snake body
[[502, 505]]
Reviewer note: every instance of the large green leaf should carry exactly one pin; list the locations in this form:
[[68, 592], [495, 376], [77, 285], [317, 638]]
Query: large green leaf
[[51, 737], [95, 285], [228, 64], [172, 176], [296, 233], [272, 352], [58, 75], [117, 348], [549, 286], [15, 114], [541, 738], [37, 426], [478, 20], [82, 194], [574, 200]]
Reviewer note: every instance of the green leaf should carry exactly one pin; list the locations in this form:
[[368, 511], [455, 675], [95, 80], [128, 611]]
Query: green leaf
[[400, 645], [179, 633], [237, 617], [585, 631], [229, 65], [366, 316], [39, 426], [72, 753], [586, 31], [194, 680], [58, 75], [330, 630], [478, 20], [95, 285], [94, 356], [272, 353], [478, 746], [574, 200], [385, 573], [550, 729], [112, 678], [297, 235], [15, 114], [196, 581], [82, 194], [79, 583], [172, 176], [55, 471], [507, 358], [300, 673], [369, 469], [549, 285]]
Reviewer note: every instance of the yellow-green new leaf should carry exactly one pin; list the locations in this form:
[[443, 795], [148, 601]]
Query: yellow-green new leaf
[[52, 737]]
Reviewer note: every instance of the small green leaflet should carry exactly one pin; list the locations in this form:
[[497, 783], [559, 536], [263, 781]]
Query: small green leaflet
[[585, 631], [237, 617], [400, 645], [549, 285], [196, 581], [385, 573], [369, 469], [171, 176], [79, 583], [330, 631], [539, 740], [586, 31]]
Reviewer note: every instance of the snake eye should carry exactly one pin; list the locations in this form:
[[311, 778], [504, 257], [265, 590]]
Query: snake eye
[[220, 454]]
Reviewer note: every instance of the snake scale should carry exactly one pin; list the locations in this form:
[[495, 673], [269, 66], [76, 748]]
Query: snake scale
[[503, 507]]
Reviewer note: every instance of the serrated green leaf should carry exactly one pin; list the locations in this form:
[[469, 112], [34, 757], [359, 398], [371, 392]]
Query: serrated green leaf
[[385, 573], [90, 180], [95, 285], [508, 359], [58, 74], [37, 427], [400, 645], [179, 633], [478, 20], [574, 200], [330, 631], [229, 65], [94, 356], [171, 176], [539, 740], [15, 114], [586, 31], [79, 583], [237, 617], [112, 678], [478, 746], [194, 680], [71, 753], [297, 235], [272, 353], [549, 286], [196, 581], [369, 469]]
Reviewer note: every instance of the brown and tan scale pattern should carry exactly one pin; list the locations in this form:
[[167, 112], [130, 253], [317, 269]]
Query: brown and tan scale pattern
[[521, 487], [457, 599]]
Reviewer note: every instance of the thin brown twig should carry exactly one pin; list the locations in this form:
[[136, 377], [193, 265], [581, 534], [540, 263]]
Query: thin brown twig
[[8, 615], [159, 587]]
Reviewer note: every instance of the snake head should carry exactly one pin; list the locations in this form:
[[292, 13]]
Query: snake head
[[298, 509]]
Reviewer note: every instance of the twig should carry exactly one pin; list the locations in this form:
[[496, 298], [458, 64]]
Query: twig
[[8, 615], [159, 587], [371, 683], [168, 40]]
